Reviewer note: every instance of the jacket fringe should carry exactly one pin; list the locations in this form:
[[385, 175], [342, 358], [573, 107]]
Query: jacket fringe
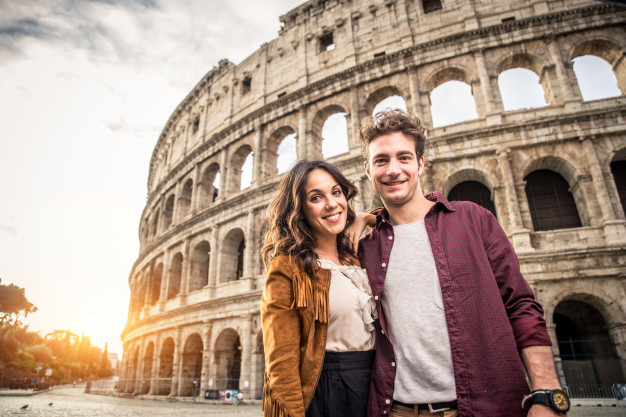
[[271, 406], [303, 285]]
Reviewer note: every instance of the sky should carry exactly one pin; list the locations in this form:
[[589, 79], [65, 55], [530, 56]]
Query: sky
[[85, 89]]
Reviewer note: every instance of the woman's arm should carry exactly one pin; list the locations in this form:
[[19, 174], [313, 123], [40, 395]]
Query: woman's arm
[[355, 230], [281, 340]]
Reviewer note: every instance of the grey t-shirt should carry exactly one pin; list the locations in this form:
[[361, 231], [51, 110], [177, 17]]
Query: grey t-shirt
[[413, 306]]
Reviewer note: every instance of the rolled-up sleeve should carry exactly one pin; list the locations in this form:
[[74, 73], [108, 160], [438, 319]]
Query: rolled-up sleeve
[[524, 312]]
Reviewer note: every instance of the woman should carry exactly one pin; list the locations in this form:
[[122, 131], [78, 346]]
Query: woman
[[317, 307]]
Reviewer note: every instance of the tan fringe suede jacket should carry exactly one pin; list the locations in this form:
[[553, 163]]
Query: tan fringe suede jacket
[[294, 315]]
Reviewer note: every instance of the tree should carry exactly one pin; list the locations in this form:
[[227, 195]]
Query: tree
[[13, 303]]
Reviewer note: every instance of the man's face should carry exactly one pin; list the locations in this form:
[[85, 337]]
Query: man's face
[[394, 168]]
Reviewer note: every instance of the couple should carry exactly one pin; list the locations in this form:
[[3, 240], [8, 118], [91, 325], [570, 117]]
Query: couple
[[453, 327]]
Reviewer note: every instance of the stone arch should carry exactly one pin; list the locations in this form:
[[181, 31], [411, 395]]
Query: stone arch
[[443, 111], [231, 255], [471, 179], [146, 379], [191, 371], [583, 321], [199, 268], [208, 187], [338, 143], [184, 202], [236, 167], [155, 283], [380, 94], [608, 50], [227, 359], [271, 157], [168, 212], [175, 276], [515, 63], [166, 367]]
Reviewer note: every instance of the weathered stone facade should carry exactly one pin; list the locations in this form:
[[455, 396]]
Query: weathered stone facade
[[193, 319]]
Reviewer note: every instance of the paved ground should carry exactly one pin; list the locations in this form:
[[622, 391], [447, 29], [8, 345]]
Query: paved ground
[[73, 402]]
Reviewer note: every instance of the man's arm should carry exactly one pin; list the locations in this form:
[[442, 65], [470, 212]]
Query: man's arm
[[540, 368]]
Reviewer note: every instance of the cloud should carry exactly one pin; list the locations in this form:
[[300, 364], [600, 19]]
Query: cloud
[[8, 230]]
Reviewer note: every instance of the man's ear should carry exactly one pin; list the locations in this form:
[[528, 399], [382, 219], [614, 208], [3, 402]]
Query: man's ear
[[420, 165], [367, 170]]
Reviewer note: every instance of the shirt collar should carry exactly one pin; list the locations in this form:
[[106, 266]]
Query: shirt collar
[[382, 215]]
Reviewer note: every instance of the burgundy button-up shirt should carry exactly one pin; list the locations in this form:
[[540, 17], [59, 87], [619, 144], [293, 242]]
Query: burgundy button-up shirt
[[490, 310]]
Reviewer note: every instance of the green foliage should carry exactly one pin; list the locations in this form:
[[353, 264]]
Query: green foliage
[[28, 354]]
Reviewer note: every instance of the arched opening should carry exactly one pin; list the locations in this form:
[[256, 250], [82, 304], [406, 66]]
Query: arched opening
[[192, 367], [228, 360], [242, 165], [208, 186], [588, 355], [551, 204], [168, 212], [287, 153], [155, 290], [200, 266], [394, 102], [520, 89], [232, 256], [185, 199], [595, 77], [335, 135], [618, 169], [452, 102], [475, 192], [166, 368], [173, 287], [146, 380]]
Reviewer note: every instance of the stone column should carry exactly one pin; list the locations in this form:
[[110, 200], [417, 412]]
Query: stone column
[[249, 251], [519, 235], [619, 68], [561, 73], [302, 145], [185, 271], [213, 266], [138, 376], [206, 358], [355, 122], [425, 116], [426, 179], [177, 366], [165, 278], [492, 114], [195, 194], [414, 91], [156, 364], [257, 174], [246, 357], [614, 229], [176, 208], [224, 188]]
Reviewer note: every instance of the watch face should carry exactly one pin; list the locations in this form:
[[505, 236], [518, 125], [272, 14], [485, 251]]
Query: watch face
[[560, 400]]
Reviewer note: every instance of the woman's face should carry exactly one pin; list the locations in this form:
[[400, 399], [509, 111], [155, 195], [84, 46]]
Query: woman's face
[[325, 207]]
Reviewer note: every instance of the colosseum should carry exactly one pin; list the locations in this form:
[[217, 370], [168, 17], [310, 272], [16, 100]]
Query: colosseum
[[553, 172]]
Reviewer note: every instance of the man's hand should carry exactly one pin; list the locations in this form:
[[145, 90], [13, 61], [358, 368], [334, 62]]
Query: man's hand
[[356, 228]]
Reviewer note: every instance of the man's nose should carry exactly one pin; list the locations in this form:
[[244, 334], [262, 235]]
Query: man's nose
[[393, 167]]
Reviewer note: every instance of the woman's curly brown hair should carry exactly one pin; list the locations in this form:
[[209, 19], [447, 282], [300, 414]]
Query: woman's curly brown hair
[[287, 230]]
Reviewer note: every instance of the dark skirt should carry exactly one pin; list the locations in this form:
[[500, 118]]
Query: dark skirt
[[343, 386]]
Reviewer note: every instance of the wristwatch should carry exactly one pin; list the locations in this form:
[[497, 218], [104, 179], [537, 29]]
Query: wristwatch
[[555, 399]]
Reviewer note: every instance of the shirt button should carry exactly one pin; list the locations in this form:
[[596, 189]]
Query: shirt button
[[387, 401], [376, 297], [382, 331], [390, 237], [393, 364], [384, 265]]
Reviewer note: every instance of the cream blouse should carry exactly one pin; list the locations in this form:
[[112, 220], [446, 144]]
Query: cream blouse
[[351, 309]]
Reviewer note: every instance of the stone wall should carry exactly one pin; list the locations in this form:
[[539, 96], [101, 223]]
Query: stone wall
[[194, 321]]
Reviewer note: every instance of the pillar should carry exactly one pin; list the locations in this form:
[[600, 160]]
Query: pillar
[[224, 188], [206, 359], [250, 252], [561, 73], [355, 122], [177, 367], [195, 194], [257, 169], [302, 145], [518, 234], [213, 265], [246, 357]]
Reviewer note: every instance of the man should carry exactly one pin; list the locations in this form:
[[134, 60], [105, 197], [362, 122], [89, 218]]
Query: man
[[457, 321]]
